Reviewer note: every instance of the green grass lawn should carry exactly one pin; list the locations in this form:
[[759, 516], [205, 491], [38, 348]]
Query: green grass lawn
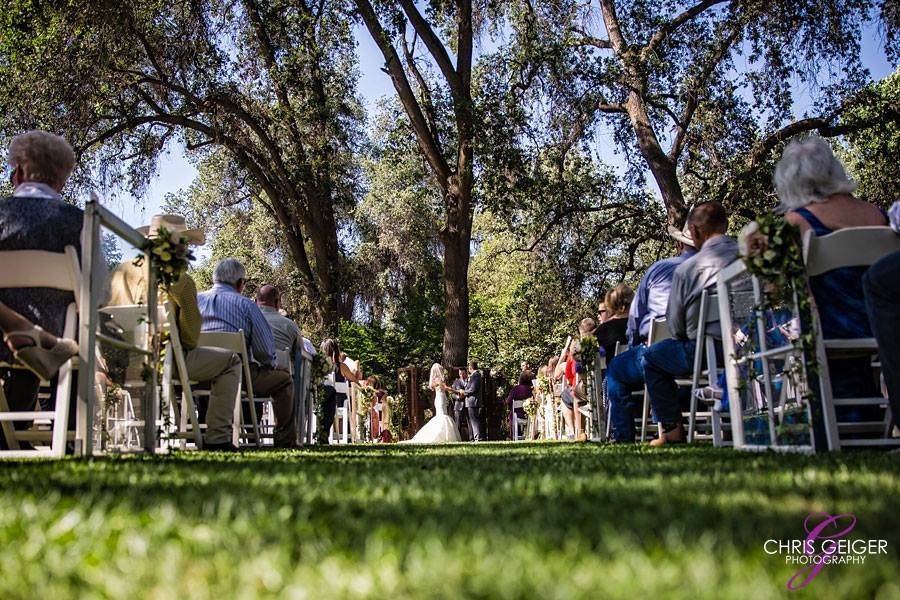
[[486, 521]]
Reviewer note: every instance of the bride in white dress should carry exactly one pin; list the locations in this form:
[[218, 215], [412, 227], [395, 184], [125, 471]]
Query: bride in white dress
[[441, 428]]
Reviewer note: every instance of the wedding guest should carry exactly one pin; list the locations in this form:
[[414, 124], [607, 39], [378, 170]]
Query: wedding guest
[[652, 295], [41, 352], [285, 332], [602, 313], [35, 217], [218, 366], [882, 287], [659, 365], [520, 391], [817, 194], [340, 373], [587, 326], [223, 308], [613, 330], [573, 389], [377, 405]]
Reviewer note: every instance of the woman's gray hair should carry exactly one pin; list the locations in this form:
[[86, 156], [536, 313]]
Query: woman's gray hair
[[809, 172], [230, 271], [43, 157]]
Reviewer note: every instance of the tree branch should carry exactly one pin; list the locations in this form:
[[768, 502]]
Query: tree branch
[[558, 218], [695, 90], [660, 36], [435, 48], [404, 91]]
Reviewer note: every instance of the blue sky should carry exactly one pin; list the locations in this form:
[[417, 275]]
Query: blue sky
[[176, 172]]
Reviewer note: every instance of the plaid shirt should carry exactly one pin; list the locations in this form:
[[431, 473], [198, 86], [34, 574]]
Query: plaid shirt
[[223, 309]]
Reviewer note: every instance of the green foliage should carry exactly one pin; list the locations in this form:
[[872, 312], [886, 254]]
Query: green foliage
[[171, 257], [542, 520], [873, 155]]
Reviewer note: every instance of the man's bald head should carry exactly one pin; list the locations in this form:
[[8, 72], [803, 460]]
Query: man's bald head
[[707, 220], [268, 295]]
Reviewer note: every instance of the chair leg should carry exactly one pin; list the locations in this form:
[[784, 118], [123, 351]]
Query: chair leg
[[9, 431], [644, 415], [255, 422], [692, 418]]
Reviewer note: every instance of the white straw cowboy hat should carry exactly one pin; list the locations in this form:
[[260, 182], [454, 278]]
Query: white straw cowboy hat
[[682, 235], [175, 225]]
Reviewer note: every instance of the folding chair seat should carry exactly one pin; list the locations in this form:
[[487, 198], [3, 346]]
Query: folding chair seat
[[40, 269], [249, 432]]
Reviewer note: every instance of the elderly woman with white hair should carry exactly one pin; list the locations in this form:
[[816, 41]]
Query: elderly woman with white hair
[[816, 194], [35, 217]]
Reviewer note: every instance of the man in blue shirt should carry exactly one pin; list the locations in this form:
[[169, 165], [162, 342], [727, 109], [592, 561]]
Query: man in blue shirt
[[652, 295], [626, 371], [223, 308]]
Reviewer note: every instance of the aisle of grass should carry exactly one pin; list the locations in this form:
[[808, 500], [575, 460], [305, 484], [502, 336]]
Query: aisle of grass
[[511, 521]]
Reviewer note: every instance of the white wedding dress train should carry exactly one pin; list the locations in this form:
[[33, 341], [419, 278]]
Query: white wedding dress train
[[441, 429]]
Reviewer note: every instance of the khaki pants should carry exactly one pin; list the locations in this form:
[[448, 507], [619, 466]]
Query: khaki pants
[[280, 386], [222, 368]]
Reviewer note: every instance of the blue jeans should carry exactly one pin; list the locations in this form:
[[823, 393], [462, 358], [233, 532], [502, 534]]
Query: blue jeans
[[624, 375], [881, 284], [663, 362]]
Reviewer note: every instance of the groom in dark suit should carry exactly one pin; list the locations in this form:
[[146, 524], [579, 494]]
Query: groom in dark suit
[[472, 395]]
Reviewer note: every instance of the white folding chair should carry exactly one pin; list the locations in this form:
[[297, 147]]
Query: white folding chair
[[517, 422], [850, 247], [659, 331], [342, 413], [238, 344], [40, 269], [701, 378], [132, 319]]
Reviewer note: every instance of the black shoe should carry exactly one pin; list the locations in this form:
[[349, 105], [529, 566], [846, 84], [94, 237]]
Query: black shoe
[[280, 446], [222, 447]]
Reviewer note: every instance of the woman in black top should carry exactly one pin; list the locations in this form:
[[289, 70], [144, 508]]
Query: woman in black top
[[613, 328]]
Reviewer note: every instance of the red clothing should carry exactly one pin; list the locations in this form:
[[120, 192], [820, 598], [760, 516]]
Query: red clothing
[[570, 371]]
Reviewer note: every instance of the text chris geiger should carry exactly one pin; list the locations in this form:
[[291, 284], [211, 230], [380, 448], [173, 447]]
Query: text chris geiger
[[825, 544]]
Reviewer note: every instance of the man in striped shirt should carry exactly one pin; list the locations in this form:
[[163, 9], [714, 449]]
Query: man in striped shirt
[[223, 308]]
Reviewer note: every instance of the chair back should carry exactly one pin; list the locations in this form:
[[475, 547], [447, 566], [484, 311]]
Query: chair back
[[659, 331], [849, 247], [54, 270], [234, 341], [41, 269], [228, 340]]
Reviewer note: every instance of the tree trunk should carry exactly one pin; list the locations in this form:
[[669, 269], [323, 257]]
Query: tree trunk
[[663, 168], [456, 298]]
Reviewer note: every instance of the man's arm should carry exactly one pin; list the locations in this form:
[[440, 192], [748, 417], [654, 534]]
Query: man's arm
[[183, 294], [261, 340], [473, 385], [675, 310], [637, 311]]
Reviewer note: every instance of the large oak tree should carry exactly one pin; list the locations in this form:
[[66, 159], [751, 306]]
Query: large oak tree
[[272, 82]]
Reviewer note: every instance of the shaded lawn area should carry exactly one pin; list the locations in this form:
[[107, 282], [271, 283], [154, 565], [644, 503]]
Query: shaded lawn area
[[486, 521]]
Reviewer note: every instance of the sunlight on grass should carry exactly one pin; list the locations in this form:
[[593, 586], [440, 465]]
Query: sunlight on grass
[[512, 521]]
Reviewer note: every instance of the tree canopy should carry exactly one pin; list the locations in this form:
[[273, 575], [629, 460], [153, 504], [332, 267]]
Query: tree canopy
[[530, 157]]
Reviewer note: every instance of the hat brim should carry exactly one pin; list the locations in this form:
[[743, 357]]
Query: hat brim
[[195, 237], [679, 236]]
